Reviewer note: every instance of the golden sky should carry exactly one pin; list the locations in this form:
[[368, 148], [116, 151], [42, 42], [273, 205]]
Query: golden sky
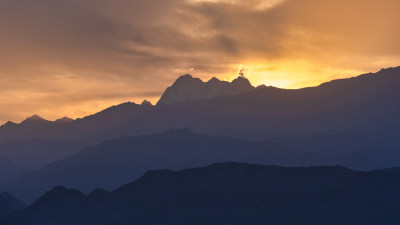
[[76, 57]]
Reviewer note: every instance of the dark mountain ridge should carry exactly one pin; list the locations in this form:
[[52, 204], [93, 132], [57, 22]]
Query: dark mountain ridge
[[36, 142], [116, 162], [9, 204], [228, 193], [188, 88], [366, 105]]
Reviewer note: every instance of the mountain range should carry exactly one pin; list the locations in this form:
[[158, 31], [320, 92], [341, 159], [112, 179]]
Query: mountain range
[[88, 163], [353, 122], [188, 88], [118, 161], [227, 193], [366, 104], [9, 171]]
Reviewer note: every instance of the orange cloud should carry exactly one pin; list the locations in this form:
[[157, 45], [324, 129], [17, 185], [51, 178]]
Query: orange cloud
[[74, 57]]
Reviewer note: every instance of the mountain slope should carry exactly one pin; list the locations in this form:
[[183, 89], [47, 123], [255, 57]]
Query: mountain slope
[[228, 193], [188, 88], [9, 204], [9, 171], [118, 161]]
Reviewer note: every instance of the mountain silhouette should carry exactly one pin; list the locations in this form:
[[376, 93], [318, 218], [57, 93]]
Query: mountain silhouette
[[64, 120], [227, 193], [339, 106], [118, 161], [9, 204], [188, 88], [366, 105], [37, 142]]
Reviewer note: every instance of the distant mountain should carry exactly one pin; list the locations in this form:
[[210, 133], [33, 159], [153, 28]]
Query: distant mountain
[[9, 204], [36, 142], [36, 153], [228, 193], [36, 121], [188, 88], [118, 161], [64, 120], [9, 171], [366, 105], [65, 128]]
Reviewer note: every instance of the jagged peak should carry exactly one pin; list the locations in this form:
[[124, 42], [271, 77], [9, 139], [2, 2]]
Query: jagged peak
[[188, 88], [242, 81], [186, 76], [59, 193], [34, 118], [64, 120], [10, 124], [213, 80], [146, 103], [186, 79]]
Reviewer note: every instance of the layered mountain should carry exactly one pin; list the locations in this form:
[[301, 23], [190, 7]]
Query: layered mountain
[[188, 88], [228, 193], [36, 142], [9, 171], [116, 162], [9, 204], [35, 153], [35, 122], [65, 128], [366, 105]]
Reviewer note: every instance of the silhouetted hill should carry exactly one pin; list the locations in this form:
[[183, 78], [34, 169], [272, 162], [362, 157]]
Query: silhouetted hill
[[119, 161], [228, 193], [188, 88], [9, 204]]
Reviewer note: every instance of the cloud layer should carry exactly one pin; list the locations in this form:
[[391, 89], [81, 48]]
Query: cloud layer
[[75, 57]]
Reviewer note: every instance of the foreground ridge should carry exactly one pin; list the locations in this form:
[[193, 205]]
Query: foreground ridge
[[228, 193]]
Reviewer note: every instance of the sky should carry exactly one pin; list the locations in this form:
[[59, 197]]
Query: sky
[[75, 57]]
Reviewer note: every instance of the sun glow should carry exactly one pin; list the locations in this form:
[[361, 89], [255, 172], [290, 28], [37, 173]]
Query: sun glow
[[289, 75], [255, 4]]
